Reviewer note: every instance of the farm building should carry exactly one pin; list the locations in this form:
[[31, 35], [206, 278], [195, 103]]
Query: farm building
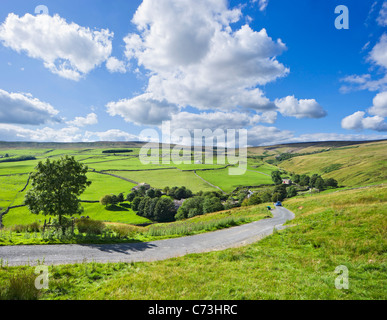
[[287, 181], [178, 203], [138, 187]]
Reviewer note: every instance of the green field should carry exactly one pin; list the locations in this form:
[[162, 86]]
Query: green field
[[228, 183], [346, 228], [14, 175], [168, 178]]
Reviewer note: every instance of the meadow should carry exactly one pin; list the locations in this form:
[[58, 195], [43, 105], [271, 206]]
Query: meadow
[[346, 228], [111, 173]]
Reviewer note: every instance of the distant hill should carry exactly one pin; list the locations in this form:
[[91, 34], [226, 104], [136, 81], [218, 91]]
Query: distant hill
[[351, 163], [70, 145]]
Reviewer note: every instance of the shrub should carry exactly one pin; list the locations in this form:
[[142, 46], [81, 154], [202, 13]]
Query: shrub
[[21, 286], [90, 226], [123, 231]]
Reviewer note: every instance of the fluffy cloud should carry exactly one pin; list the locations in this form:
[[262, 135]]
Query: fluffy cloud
[[66, 49], [378, 54], [358, 121], [20, 108], [307, 108], [143, 109], [90, 119], [115, 65], [219, 120], [10, 132], [196, 59], [379, 107]]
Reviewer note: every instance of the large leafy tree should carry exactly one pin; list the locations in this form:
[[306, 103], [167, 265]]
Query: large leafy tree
[[56, 186], [276, 177]]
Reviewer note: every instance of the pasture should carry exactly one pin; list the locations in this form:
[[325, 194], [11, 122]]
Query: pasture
[[114, 173]]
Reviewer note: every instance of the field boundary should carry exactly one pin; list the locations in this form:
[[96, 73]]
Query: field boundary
[[209, 183]]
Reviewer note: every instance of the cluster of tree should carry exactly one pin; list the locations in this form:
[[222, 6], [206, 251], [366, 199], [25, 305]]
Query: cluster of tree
[[279, 193], [20, 158], [112, 199], [203, 203], [156, 209], [178, 193], [314, 181], [117, 151]]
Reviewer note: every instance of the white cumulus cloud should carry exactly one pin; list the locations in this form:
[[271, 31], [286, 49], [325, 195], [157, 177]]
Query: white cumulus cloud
[[66, 49], [90, 119], [304, 108], [194, 58], [379, 107], [21, 108], [358, 121], [143, 109], [114, 65]]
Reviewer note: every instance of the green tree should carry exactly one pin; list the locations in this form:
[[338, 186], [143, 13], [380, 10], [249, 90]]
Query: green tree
[[190, 206], [276, 177], [320, 184], [312, 181], [281, 190], [165, 210], [56, 186], [136, 203], [296, 178], [291, 191], [212, 204], [120, 198], [331, 183], [130, 196], [255, 199], [276, 197], [304, 180], [151, 193], [106, 200]]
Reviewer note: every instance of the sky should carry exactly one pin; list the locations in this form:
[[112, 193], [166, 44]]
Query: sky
[[285, 71]]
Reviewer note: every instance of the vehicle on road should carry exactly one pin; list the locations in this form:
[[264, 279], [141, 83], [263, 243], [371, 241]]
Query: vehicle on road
[[278, 204]]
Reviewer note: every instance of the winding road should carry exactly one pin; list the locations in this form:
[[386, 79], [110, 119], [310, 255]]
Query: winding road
[[147, 251]]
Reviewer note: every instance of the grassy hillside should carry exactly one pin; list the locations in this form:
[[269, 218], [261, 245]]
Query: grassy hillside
[[346, 228], [351, 166]]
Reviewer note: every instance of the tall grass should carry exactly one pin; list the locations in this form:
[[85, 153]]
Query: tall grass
[[20, 286], [188, 228]]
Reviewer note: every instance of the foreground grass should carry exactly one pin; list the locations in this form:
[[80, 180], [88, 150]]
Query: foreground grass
[[344, 228]]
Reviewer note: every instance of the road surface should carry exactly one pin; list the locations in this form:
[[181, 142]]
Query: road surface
[[147, 251]]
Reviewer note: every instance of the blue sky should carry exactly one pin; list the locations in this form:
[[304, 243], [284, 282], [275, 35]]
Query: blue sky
[[106, 70]]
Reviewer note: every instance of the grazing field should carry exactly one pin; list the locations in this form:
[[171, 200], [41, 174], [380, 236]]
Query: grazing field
[[168, 178], [228, 183]]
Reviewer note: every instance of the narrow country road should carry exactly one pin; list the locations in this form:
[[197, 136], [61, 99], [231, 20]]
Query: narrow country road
[[149, 251]]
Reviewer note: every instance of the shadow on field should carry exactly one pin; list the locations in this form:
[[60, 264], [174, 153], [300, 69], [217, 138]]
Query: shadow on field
[[124, 248]]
